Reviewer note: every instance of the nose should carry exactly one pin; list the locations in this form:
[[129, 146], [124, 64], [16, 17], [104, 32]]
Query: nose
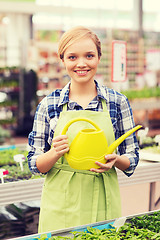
[[81, 62]]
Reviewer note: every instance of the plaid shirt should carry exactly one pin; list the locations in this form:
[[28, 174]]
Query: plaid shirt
[[48, 112]]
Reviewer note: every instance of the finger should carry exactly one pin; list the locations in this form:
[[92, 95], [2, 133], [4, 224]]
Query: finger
[[110, 156], [101, 169], [61, 147], [97, 170], [60, 151], [63, 151], [59, 138], [59, 142], [102, 165]]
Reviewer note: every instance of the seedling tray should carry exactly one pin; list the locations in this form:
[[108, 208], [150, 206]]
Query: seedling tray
[[108, 224]]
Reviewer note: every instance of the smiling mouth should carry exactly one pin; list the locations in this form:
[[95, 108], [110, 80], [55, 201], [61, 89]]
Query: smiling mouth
[[82, 72]]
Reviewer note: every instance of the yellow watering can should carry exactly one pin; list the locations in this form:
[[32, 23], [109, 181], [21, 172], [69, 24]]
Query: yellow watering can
[[91, 145]]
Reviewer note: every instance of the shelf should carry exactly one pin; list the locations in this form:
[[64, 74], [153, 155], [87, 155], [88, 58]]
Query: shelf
[[136, 51], [145, 104], [9, 84], [153, 157], [21, 191], [28, 190]]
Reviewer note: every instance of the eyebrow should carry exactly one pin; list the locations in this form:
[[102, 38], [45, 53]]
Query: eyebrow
[[91, 52], [88, 52]]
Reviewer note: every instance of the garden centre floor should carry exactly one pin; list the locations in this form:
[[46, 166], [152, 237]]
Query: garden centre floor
[[135, 198]]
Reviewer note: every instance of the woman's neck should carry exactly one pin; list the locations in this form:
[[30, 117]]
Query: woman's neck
[[83, 94]]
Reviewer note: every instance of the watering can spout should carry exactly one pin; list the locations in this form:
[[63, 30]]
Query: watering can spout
[[116, 143]]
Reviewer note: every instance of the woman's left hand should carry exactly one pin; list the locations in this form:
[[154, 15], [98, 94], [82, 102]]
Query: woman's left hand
[[110, 161]]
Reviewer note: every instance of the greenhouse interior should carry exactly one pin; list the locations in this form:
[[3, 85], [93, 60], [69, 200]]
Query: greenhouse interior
[[32, 75]]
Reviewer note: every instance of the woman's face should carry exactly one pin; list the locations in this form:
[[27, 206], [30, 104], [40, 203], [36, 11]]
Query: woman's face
[[81, 60]]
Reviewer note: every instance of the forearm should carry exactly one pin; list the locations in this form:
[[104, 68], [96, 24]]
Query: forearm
[[122, 162], [46, 160]]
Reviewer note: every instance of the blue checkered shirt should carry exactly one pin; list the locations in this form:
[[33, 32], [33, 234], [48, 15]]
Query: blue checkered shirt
[[51, 106]]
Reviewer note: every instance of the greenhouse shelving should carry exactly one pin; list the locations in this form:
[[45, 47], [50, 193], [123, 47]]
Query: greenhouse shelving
[[49, 67], [151, 109], [31, 189], [9, 84], [107, 224]]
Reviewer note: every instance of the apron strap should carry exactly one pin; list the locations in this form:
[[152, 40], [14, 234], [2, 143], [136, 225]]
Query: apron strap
[[104, 105], [65, 107]]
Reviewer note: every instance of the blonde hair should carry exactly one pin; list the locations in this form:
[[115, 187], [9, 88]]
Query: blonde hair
[[74, 34]]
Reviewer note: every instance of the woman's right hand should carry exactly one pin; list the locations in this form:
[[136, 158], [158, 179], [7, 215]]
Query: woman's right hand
[[46, 160], [60, 145]]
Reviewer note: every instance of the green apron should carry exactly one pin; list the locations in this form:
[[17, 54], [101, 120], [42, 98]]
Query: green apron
[[76, 197]]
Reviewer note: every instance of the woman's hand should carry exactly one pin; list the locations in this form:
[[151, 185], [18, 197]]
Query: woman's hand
[[60, 145], [110, 161], [46, 160], [122, 162]]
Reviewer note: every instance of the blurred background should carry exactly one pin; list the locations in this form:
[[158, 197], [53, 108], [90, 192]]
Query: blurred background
[[30, 69]]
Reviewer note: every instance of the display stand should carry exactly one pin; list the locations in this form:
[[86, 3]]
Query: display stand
[[67, 232], [28, 190]]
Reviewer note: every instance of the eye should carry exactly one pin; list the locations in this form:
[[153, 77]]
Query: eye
[[89, 56], [72, 57]]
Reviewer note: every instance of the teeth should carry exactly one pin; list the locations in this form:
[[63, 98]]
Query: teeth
[[81, 72]]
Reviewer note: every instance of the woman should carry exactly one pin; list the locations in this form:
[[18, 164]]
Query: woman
[[75, 197]]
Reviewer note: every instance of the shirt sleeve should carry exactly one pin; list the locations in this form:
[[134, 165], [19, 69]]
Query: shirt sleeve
[[39, 139], [129, 147]]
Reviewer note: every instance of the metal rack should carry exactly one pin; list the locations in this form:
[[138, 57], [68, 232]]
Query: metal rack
[[29, 190], [67, 232]]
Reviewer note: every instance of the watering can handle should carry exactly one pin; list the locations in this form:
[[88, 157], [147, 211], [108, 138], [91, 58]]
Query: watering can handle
[[79, 119]]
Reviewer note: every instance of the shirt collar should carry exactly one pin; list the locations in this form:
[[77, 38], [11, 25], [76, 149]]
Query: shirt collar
[[101, 91], [64, 96]]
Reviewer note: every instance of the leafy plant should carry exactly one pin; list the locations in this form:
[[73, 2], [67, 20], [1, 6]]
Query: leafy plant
[[15, 173], [4, 134], [143, 93], [154, 149], [7, 156], [151, 222], [143, 228]]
